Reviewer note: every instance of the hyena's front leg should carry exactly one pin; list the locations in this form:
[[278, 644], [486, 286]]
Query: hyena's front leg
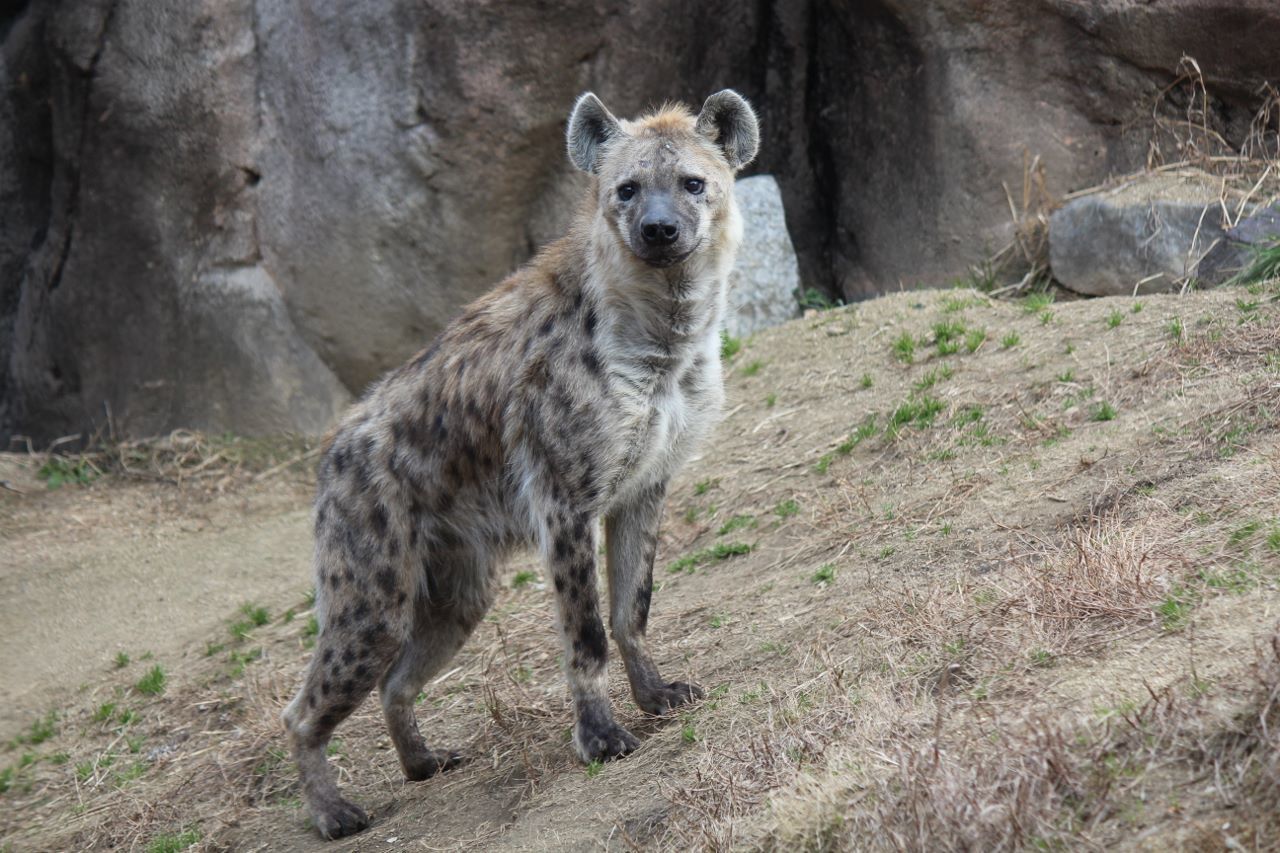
[[571, 551], [631, 534]]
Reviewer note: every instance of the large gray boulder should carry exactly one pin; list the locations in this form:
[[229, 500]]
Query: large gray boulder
[[763, 285], [234, 214], [1149, 235]]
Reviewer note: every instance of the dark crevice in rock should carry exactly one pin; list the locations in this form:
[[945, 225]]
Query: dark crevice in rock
[[73, 191]]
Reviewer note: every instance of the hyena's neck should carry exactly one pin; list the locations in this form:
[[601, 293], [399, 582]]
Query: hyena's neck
[[659, 319]]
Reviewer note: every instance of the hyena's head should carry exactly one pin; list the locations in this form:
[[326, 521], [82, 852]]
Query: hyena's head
[[665, 180]]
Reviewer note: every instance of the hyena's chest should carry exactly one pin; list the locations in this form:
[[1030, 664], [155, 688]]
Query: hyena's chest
[[660, 419]]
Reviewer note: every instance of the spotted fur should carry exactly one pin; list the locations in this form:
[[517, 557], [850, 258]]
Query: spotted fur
[[569, 394]]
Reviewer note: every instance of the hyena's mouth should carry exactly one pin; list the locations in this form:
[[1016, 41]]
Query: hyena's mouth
[[664, 258]]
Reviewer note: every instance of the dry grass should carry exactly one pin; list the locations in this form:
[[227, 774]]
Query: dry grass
[[181, 457], [967, 674], [976, 781]]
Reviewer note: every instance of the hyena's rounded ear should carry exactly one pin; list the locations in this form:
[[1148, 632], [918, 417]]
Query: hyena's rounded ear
[[590, 127], [728, 120]]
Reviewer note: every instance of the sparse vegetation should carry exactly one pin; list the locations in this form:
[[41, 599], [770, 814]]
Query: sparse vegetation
[[729, 346], [825, 574], [173, 842], [719, 551], [152, 684], [1041, 630], [787, 508], [61, 470], [904, 348], [1104, 412]]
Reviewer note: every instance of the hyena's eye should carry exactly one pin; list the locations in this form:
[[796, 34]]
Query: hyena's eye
[[695, 186], [626, 191]]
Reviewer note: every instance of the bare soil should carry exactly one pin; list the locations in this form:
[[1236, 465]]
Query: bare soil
[[1009, 590]]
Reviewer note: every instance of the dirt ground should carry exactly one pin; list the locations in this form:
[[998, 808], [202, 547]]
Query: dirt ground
[[956, 574]]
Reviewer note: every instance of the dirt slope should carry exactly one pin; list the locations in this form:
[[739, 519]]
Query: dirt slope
[[944, 559]]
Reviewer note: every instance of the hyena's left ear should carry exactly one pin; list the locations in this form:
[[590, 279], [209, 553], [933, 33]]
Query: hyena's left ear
[[590, 127], [728, 120]]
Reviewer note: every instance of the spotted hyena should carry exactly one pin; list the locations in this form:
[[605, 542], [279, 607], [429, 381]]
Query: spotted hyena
[[570, 393]]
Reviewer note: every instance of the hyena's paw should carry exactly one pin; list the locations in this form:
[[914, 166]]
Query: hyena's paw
[[601, 740], [338, 818], [428, 762], [663, 698]]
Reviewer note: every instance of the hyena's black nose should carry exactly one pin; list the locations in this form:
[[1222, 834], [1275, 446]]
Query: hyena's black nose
[[659, 231]]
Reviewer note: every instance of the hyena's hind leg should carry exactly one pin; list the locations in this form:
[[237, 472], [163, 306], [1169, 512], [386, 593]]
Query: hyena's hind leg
[[439, 630], [631, 540], [361, 631]]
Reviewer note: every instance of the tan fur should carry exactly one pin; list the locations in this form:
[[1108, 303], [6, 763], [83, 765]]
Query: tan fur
[[570, 393]]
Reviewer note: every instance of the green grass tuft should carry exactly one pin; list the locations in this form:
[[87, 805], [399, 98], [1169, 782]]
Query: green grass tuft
[[1264, 266], [152, 684], [738, 522], [825, 574], [787, 508], [173, 842], [904, 348], [1104, 412], [720, 551], [729, 346]]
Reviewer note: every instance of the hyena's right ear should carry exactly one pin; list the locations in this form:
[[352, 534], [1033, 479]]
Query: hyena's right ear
[[590, 127]]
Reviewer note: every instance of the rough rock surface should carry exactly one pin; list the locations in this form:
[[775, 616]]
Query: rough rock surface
[[762, 289], [1148, 236], [357, 172]]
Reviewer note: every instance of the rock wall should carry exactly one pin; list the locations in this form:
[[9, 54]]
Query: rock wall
[[234, 214]]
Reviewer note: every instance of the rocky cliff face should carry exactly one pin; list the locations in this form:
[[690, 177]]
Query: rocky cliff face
[[235, 214]]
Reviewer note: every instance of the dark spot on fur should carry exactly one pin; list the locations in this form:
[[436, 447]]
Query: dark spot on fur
[[589, 321], [441, 430], [444, 501], [643, 597], [340, 458], [562, 546], [348, 657], [325, 687], [386, 581], [400, 599], [422, 358], [361, 610], [349, 686], [559, 584], [371, 635], [311, 700], [379, 519], [594, 643], [327, 721], [327, 656], [591, 362], [362, 671], [547, 327]]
